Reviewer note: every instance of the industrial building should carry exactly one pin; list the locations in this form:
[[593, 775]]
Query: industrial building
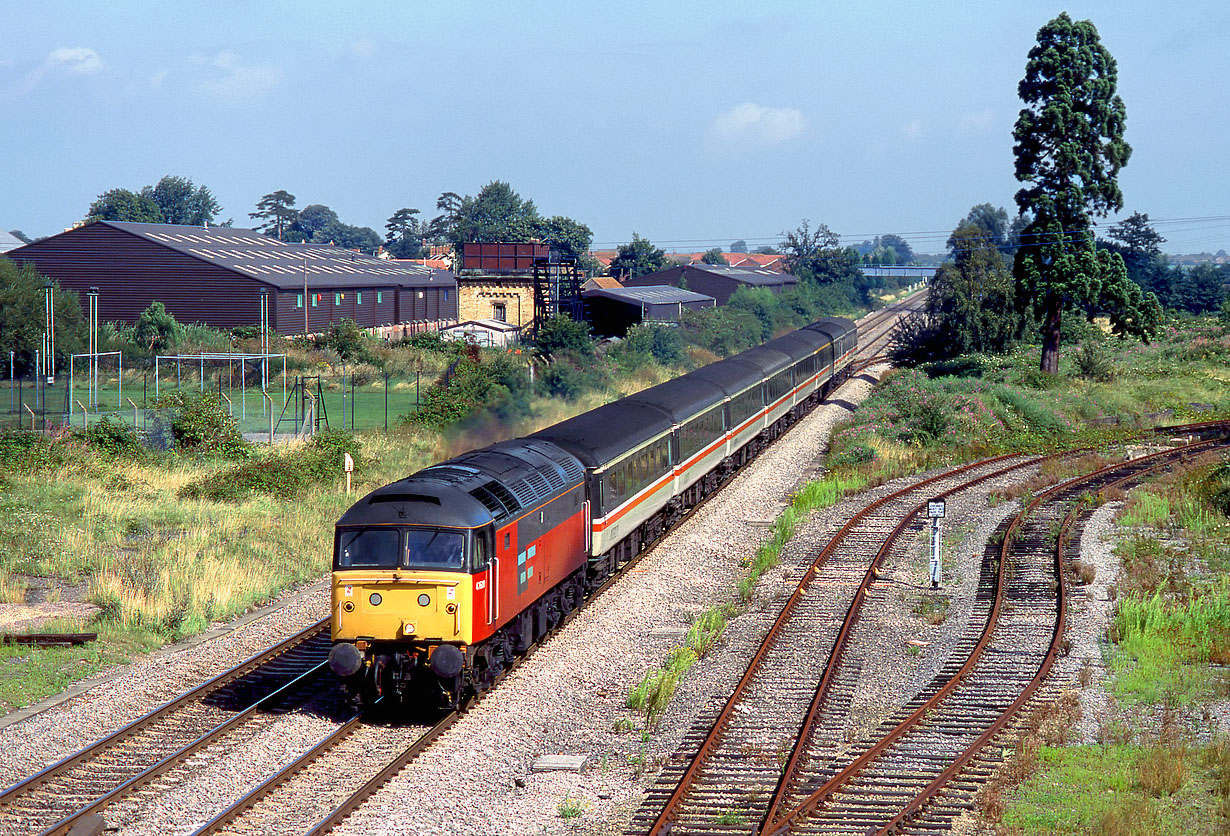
[[714, 280], [222, 277]]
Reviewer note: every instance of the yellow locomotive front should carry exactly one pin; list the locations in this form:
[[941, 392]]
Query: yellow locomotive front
[[402, 602]]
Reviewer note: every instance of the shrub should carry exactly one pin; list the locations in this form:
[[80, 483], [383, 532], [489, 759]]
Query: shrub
[[967, 365], [1093, 361], [112, 436], [200, 425], [30, 452], [285, 474]]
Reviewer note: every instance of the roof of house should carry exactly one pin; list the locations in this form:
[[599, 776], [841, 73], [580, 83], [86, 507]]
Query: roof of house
[[648, 294], [596, 282], [278, 263], [9, 241], [746, 275]]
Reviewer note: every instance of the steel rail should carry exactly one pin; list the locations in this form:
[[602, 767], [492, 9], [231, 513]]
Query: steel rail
[[164, 765], [842, 642], [719, 727], [932, 789], [817, 797], [226, 677]]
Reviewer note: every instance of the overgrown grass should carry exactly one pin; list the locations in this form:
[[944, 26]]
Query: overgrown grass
[[813, 496], [981, 405]]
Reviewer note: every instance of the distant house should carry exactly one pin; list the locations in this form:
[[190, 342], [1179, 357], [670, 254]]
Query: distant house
[[612, 311], [716, 281], [596, 282], [217, 275]]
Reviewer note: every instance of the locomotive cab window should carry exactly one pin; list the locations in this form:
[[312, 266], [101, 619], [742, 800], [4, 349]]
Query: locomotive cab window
[[435, 548], [368, 548]]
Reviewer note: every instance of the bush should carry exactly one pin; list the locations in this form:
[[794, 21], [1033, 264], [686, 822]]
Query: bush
[[112, 436], [475, 381], [968, 365], [201, 425], [560, 334], [285, 474], [1093, 361], [29, 452]]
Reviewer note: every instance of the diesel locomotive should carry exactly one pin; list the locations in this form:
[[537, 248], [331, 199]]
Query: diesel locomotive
[[441, 579]]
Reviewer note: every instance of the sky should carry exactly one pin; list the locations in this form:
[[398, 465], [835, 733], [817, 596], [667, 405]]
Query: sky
[[691, 124]]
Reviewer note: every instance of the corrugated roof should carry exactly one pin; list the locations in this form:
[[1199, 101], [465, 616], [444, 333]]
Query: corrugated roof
[[9, 242], [282, 264], [748, 275], [656, 294]]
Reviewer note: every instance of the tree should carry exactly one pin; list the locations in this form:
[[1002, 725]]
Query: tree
[[313, 224], [277, 211], [124, 205], [181, 202], [638, 258], [566, 236], [23, 307], [496, 213], [899, 246], [156, 329], [1069, 148], [405, 234], [739, 246], [1137, 235], [971, 305], [714, 256], [991, 221]]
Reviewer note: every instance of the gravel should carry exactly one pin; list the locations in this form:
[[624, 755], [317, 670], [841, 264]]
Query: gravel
[[46, 733]]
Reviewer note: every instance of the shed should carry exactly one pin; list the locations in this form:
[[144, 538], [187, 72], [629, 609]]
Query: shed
[[217, 275], [484, 332], [717, 281], [612, 311]]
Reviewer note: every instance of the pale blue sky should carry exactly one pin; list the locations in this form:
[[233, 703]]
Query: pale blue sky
[[693, 124]]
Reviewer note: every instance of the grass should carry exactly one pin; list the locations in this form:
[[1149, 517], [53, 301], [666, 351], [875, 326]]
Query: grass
[[31, 673], [1153, 773]]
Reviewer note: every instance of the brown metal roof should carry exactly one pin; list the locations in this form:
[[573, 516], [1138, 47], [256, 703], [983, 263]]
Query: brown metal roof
[[281, 264]]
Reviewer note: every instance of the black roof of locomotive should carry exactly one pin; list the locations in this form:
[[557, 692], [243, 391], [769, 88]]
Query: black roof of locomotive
[[497, 483], [604, 434]]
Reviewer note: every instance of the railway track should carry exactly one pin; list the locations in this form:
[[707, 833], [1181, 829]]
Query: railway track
[[51, 801], [774, 760], [292, 794]]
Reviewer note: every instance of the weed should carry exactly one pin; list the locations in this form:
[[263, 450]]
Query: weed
[[1162, 771], [570, 808], [932, 608], [731, 816]]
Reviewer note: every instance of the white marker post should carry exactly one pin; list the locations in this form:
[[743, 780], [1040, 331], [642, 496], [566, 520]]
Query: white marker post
[[935, 510], [349, 469]]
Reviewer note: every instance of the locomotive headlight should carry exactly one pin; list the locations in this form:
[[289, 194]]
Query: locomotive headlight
[[375, 599], [424, 599]]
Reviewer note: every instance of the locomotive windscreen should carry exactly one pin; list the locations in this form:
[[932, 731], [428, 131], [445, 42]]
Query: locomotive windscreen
[[368, 547], [404, 548], [435, 548]]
